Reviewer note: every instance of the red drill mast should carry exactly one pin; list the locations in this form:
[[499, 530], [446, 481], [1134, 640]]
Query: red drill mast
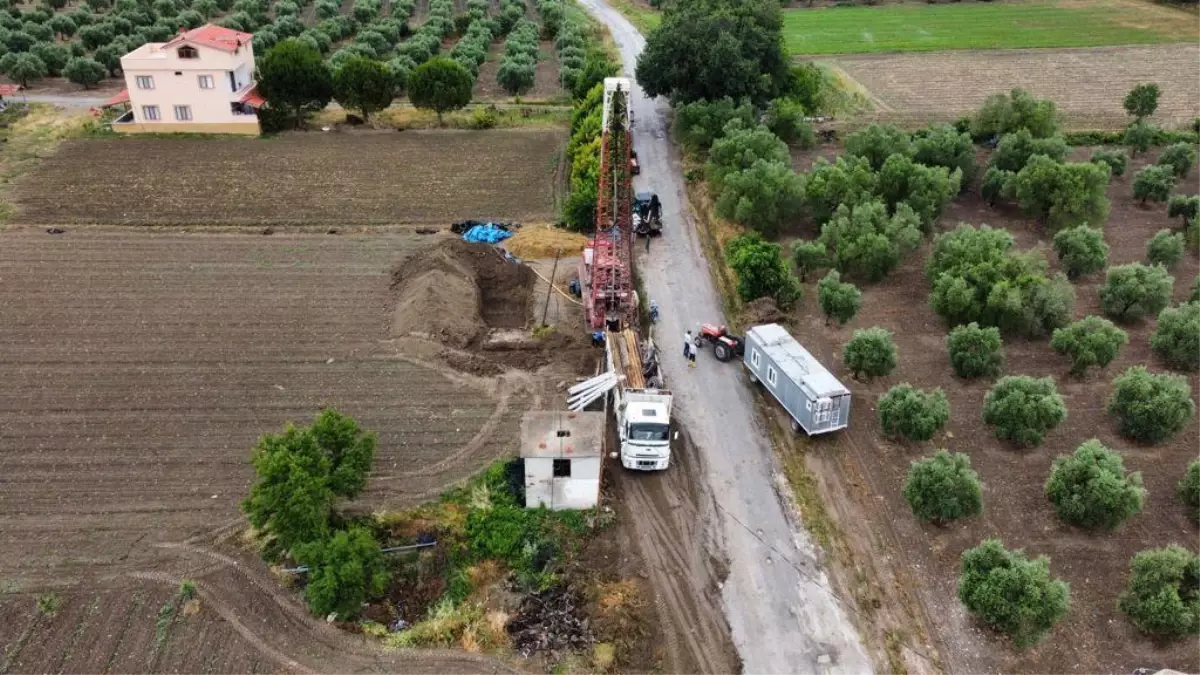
[[608, 257]]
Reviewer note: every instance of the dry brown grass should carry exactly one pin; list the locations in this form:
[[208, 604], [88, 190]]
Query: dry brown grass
[[544, 241]]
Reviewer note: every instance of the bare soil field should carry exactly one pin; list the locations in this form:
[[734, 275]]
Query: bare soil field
[[140, 369], [860, 474], [327, 180], [1089, 85]]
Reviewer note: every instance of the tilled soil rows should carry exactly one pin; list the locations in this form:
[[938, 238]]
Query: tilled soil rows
[[354, 178], [1089, 85], [1094, 637], [139, 370]]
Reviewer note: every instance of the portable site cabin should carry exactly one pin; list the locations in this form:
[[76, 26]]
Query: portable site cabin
[[562, 453], [815, 399]]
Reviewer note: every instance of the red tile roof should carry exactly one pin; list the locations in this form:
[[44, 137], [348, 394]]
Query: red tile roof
[[253, 99], [212, 35], [9, 89], [122, 97]]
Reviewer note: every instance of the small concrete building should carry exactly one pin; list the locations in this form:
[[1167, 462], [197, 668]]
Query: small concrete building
[[563, 453]]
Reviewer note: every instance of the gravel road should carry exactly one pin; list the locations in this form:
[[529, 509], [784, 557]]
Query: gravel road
[[777, 600]]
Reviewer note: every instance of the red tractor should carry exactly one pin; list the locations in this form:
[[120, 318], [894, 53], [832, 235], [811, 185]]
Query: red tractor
[[725, 346]]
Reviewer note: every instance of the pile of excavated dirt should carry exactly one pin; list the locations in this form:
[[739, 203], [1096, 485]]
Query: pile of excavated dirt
[[761, 311], [455, 291]]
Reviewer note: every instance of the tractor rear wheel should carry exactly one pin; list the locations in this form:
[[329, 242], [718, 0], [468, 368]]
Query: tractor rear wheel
[[722, 352]]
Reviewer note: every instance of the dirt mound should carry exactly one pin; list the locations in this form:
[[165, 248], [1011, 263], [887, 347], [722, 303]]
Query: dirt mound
[[761, 311], [542, 241], [455, 291]]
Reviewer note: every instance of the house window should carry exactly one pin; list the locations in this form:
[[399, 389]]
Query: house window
[[145, 82], [186, 52], [183, 113], [562, 468], [754, 357], [206, 81], [771, 375], [150, 112]]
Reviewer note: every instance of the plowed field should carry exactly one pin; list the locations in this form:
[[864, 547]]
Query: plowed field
[[373, 178], [139, 369], [1089, 85]]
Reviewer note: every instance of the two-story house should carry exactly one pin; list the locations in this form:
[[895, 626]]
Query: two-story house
[[201, 81]]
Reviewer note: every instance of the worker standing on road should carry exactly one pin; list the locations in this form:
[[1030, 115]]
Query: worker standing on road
[[687, 343]]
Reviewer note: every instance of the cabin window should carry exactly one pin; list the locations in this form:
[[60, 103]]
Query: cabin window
[[562, 468], [772, 378], [186, 52], [754, 357]]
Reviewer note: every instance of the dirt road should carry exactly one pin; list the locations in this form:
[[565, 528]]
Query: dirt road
[[778, 602]]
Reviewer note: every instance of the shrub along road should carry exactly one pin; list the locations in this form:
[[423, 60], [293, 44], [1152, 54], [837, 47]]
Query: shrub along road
[[782, 613]]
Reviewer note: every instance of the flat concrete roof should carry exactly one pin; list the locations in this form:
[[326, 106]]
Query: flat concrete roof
[[562, 434]]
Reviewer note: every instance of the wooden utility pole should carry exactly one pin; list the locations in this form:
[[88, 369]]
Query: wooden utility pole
[[550, 285]]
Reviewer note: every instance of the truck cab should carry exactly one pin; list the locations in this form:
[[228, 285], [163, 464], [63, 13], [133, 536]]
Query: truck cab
[[644, 429]]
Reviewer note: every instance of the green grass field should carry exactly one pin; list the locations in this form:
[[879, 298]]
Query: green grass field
[[974, 25]]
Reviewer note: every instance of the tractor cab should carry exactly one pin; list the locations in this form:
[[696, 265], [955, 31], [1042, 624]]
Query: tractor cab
[[647, 213]]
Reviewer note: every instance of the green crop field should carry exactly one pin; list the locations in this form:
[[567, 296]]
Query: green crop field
[[973, 25]]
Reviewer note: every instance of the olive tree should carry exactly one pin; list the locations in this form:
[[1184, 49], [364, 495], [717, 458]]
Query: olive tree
[[866, 243], [809, 256], [839, 300], [1014, 150], [739, 148], [848, 181], [700, 123], [943, 487], [1176, 338], [1091, 488], [1163, 596], [1164, 248], [910, 413], [1153, 183], [1184, 207], [1081, 250], [1179, 158], [1140, 136], [975, 351], [924, 189], [1012, 593], [764, 196], [1091, 341], [1117, 160], [877, 143], [870, 352], [945, 146], [1188, 488], [1062, 195], [84, 71], [1006, 113], [1150, 407], [1134, 290], [24, 68], [998, 184], [1022, 409]]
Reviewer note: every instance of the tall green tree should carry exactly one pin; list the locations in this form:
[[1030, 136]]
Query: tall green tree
[[866, 243], [1063, 195], [975, 351], [913, 414], [25, 68], [1091, 341], [364, 85], [1135, 290], [1081, 250], [1150, 407], [877, 143], [1022, 409], [440, 85], [1142, 101], [84, 71], [1153, 183], [1018, 109], [710, 49], [1177, 335], [764, 196], [294, 79], [871, 352]]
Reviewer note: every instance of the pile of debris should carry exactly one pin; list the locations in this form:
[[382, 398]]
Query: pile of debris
[[553, 620], [461, 227]]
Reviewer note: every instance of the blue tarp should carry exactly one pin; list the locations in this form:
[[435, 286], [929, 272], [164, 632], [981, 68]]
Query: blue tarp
[[487, 234]]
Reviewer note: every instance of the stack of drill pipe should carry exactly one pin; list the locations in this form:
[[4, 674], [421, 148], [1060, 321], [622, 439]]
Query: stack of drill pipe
[[633, 361]]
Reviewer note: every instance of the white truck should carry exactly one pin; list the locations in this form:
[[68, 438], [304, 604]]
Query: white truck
[[641, 404]]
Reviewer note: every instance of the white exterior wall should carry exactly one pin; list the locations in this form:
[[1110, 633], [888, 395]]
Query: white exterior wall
[[209, 106], [580, 491]]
